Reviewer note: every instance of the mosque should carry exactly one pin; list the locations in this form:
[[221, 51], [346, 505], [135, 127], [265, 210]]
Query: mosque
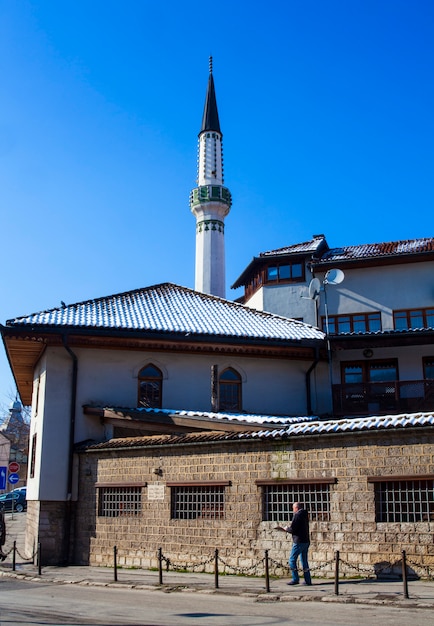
[[177, 417]]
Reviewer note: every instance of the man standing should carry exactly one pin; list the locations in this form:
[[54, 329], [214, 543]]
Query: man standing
[[2, 535], [299, 529]]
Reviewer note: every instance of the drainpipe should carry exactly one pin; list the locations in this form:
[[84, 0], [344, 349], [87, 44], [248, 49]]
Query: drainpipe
[[214, 388], [72, 408], [308, 384]]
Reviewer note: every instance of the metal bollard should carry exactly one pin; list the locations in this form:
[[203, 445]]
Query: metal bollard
[[39, 558], [14, 552], [160, 566], [267, 573], [216, 569], [404, 574], [115, 563], [337, 573]]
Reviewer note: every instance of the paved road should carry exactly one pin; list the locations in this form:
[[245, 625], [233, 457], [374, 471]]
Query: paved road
[[28, 603], [82, 595]]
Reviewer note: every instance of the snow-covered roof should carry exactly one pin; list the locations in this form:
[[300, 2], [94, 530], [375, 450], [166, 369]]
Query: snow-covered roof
[[289, 427], [322, 256], [171, 308], [378, 250]]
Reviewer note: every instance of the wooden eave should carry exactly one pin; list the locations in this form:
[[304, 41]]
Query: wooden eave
[[164, 423], [24, 347], [23, 354]]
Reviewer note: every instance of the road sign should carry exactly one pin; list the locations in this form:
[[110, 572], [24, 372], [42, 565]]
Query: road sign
[[14, 467], [13, 478], [3, 474]]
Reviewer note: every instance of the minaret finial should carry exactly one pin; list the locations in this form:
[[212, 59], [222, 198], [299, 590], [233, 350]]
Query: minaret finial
[[210, 64]]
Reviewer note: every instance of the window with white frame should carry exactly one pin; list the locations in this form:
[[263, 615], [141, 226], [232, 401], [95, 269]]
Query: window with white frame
[[279, 496], [403, 499]]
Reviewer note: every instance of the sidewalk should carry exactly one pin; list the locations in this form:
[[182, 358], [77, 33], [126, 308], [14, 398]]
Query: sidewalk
[[368, 591]]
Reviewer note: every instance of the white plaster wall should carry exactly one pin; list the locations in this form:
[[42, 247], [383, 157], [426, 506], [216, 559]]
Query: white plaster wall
[[109, 378], [290, 301], [51, 424], [381, 288], [384, 289], [410, 366], [5, 447]]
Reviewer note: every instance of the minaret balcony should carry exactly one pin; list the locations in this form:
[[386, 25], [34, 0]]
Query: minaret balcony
[[210, 193]]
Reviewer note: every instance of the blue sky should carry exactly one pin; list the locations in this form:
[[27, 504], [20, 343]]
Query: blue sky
[[326, 108]]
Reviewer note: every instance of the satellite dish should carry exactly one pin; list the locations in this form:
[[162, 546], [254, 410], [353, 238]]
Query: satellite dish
[[314, 288], [334, 277]]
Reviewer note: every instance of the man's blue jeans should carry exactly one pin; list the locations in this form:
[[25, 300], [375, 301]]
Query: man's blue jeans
[[299, 550]]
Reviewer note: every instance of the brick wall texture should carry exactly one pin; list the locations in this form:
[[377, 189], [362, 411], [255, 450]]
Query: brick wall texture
[[242, 537]]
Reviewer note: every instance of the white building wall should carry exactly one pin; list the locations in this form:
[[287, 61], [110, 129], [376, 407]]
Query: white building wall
[[382, 288], [5, 448], [109, 378], [51, 424]]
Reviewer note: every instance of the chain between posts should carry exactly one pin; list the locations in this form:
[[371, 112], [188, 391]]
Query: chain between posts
[[257, 569], [22, 556]]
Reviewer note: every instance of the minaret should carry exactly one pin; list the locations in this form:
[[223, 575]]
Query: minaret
[[210, 202]]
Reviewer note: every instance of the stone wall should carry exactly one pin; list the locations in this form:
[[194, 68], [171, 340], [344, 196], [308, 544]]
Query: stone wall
[[47, 523], [242, 537]]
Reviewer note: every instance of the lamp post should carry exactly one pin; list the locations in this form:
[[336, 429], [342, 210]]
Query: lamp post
[[332, 277]]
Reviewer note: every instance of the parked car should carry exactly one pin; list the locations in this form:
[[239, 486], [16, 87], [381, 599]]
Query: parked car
[[13, 501]]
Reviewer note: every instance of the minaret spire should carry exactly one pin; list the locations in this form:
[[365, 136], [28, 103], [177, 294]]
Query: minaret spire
[[210, 202]]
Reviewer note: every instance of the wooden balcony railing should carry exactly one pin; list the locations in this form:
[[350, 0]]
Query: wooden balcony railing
[[408, 396]]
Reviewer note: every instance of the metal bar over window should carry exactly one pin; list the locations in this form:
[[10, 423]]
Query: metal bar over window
[[279, 498]]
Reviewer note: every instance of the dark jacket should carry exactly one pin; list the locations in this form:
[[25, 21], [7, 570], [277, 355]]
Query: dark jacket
[[299, 527], [2, 529]]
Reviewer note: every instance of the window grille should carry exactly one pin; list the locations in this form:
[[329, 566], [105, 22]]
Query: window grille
[[278, 500], [192, 502], [150, 387], [229, 390], [119, 501], [404, 501]]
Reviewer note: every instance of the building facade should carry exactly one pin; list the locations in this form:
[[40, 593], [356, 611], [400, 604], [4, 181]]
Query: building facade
[[194, 493], [379, 317], [170, 417]]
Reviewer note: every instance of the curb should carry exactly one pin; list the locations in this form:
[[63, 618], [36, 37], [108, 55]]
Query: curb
[[257, 596]]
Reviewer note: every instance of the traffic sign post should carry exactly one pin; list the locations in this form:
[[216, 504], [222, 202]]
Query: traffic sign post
[[3, 474]]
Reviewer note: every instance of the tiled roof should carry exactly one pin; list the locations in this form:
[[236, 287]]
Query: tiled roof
[[321, 254], [394, 332], [306, 426], [249, 418], [169, 308], [375, 250], [313, 248], [298, 248]]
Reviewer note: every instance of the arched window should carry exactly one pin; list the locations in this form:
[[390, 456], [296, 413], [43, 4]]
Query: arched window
[[150, 387], [229, 390]]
